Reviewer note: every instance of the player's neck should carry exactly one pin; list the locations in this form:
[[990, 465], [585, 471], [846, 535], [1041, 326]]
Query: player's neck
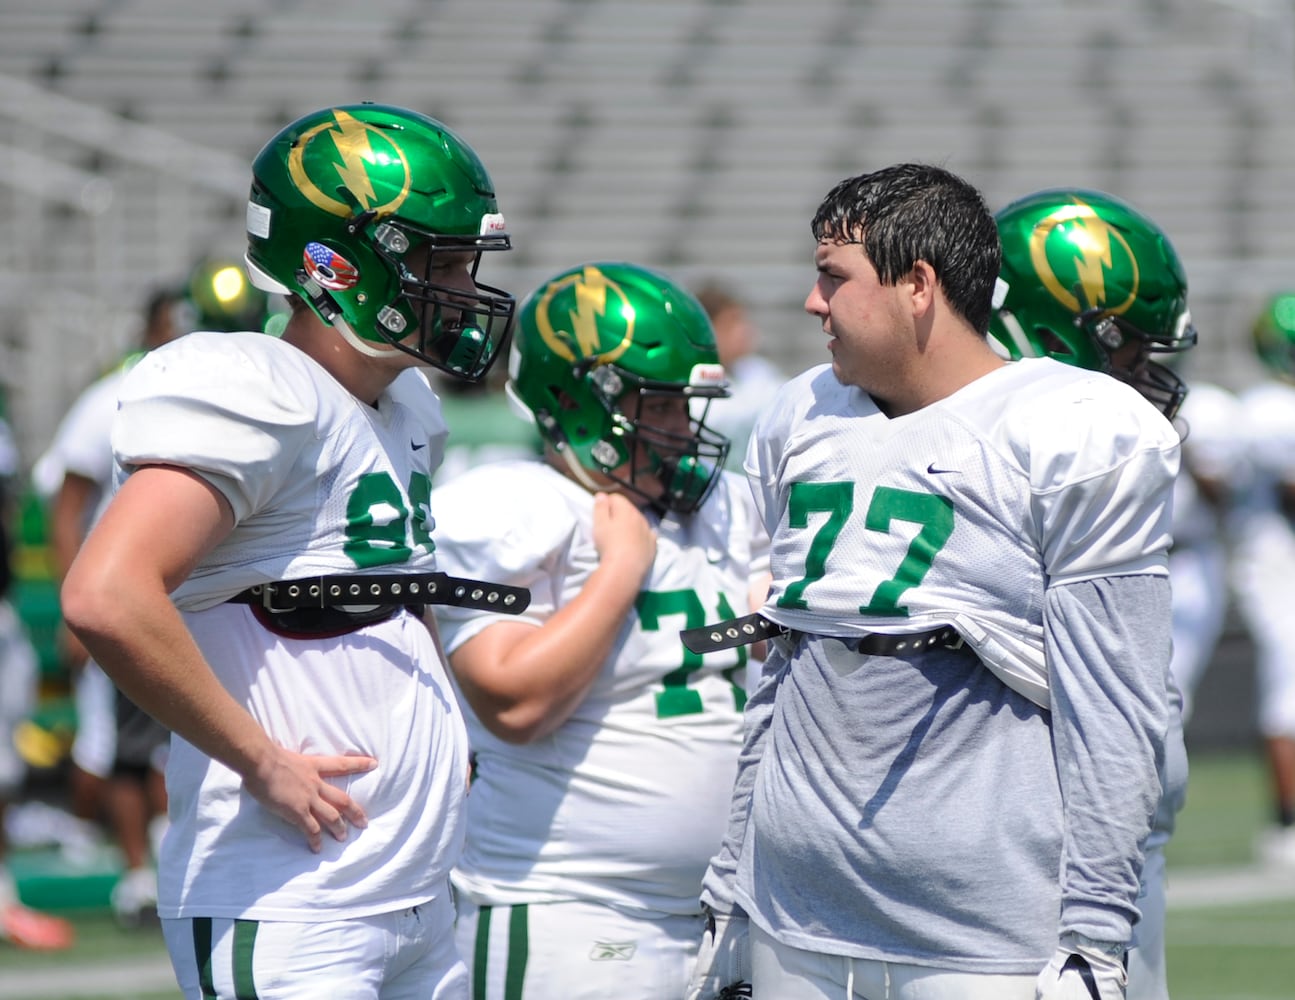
[[937, 375], [363, 377]]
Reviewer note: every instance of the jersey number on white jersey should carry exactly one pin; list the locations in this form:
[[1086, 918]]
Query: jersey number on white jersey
[[678, 698], [379, 525], [932, 512]]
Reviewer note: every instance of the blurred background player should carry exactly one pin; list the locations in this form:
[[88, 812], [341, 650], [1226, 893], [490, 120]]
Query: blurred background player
[[1214, 467], [604, 751], [752, 377], [19, 925], [117, 745], [118, 754], [219, 296], [1264, 562], [1129, 308]]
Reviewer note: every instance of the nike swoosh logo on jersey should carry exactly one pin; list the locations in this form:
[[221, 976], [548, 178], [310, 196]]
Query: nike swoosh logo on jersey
[[932, 470], [612, 951], [416, 446]]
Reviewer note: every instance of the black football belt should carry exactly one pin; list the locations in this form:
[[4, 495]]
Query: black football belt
[[734, 632], [754, 628], [386, 588]]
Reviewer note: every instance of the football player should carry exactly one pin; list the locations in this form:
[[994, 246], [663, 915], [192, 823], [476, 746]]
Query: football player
[[255, 582], [20, 925], [1264, 555], [119, 751], [1123, 307], [604, 750], [954, 755], [218, 295], [752, 377]]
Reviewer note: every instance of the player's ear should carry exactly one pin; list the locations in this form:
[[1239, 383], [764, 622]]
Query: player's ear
[[923, 285]]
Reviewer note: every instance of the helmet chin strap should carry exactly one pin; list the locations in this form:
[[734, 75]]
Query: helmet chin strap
[[359, 343], [1017, 333], [324, 305], [581, 475], [579, 472]]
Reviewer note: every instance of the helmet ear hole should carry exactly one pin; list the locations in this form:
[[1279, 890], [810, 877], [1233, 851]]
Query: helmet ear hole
[[1051, 343], [561, 429]]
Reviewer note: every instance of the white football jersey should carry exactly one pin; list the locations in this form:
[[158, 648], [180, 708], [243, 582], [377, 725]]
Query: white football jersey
[[1263, 533], [1214, 448], [1270, 429], [319, 482], [962, 512], [80, 444], [1264, 549], [628, 800]]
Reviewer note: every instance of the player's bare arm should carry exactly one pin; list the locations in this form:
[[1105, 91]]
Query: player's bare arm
[[116, 598], [524, 682]]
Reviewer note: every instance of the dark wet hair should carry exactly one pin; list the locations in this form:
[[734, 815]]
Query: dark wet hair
[[912, 211]]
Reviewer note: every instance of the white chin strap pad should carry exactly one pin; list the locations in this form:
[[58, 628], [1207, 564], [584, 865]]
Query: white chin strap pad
[[580, 473], [359, 343], [262, 280]]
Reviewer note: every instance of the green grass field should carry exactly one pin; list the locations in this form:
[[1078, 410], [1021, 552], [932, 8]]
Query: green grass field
[[1241, 950], [105, 962], [1229, 951], [1227, 804]]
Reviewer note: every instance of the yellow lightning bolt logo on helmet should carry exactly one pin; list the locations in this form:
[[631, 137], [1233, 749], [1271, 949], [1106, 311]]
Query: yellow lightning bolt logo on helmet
[[1086, 245], [316, 175], [352, 142], [591, 289], [1092, 240], [591, 303]]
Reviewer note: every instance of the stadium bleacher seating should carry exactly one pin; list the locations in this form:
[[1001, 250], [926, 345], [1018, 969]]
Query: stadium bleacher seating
[[695, 135]]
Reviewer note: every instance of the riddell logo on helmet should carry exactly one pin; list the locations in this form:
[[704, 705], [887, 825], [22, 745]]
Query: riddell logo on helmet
[[352, 151], [707, 375], [493, 225], [1072, 251]]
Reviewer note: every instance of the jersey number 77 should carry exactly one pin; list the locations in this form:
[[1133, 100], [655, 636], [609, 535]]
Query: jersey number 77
[[934, 514]]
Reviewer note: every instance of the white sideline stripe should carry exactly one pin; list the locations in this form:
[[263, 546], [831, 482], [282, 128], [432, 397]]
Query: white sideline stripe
[[1206, 930], [100, 979], [1191, 888]]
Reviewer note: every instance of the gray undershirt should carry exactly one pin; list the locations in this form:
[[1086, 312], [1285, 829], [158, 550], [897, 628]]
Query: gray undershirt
[[911, 809]]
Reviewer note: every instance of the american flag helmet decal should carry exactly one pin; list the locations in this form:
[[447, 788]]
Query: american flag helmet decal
[[328, 268]]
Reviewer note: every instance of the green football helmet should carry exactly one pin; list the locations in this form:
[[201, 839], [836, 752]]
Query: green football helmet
[[350, 208], [1274, 335], [219, 296], [1085, 274], [617, 365]]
